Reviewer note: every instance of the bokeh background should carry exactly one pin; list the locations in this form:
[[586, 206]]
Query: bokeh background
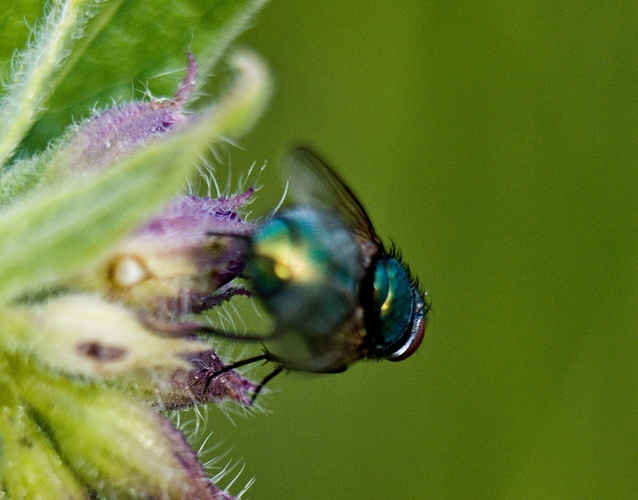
[[496, 144]]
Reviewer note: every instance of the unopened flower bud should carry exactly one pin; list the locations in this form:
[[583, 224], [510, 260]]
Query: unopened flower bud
[[86, 335], [108, 135], [110, 439], [177, 262]]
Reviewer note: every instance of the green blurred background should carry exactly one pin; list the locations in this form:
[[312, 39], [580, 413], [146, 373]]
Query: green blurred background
[[496, 143]]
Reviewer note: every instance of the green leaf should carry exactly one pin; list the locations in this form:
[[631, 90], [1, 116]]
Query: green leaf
[[142, 42], [22, 175], [34, 70], [16, 17]]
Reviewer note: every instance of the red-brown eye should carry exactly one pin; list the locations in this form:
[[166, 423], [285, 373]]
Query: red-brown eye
[[414, 341]]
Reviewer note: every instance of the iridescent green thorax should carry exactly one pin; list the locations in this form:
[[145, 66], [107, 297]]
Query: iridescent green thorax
[[306, 266]]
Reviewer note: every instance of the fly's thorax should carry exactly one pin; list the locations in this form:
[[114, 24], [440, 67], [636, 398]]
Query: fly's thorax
[[305, 265], [395, 312]]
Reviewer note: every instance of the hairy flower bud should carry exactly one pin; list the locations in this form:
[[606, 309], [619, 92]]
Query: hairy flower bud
[[177, 261], [99, 141], [113, 443], [85, 335]]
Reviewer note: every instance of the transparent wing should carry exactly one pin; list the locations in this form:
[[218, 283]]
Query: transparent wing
[[312, 182]]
